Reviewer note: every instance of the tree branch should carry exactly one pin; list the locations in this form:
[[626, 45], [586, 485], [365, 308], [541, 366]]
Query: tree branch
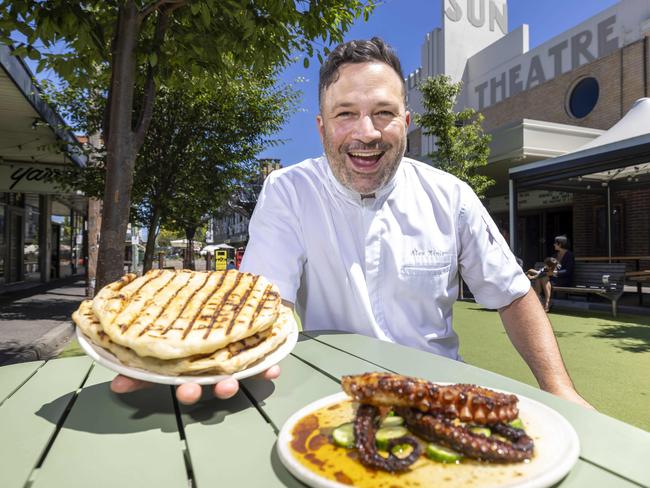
[[149, 95], [157, 4]]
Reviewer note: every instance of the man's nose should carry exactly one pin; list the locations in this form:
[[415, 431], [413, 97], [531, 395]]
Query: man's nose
[[365, 129]]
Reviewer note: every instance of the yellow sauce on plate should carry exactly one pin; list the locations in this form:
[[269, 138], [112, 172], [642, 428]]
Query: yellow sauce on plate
[[313, 447]]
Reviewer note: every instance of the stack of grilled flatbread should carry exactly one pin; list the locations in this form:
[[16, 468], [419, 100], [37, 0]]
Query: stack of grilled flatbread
[[186, 322]]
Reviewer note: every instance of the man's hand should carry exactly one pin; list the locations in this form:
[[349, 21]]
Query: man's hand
[[571, 395], [190, 393]]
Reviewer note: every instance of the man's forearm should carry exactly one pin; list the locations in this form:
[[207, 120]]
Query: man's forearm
[[531, 333]]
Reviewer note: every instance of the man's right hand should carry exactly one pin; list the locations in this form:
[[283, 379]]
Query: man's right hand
[[190, 393]]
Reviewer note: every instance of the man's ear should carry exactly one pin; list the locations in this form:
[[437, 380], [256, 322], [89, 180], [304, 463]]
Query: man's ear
[[408, 118], [321, 126]]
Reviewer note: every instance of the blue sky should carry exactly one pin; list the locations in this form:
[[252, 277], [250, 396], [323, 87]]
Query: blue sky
[[403, 24]]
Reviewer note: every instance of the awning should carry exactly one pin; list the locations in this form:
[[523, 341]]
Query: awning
[[210, 248], [621, 154]]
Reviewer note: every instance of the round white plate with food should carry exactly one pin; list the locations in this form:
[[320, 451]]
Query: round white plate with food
[[107, 359], [306, 447]]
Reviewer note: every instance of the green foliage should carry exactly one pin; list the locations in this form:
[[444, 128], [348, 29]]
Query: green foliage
[[199, 150], [461, 145], [212, 131], [75, 37]]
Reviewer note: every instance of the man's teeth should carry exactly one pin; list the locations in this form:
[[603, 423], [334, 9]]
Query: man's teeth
[[365, 155]]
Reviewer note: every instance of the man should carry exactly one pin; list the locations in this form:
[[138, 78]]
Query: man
[[367, 241]]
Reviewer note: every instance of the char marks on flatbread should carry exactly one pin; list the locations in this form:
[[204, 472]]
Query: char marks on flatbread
[[175, 314], [230, 359]]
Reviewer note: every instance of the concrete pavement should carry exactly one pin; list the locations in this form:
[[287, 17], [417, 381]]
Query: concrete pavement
[[35, 323]]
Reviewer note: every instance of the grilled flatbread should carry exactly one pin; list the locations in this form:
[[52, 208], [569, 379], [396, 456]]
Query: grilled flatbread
[[230, 359], [174, 314]]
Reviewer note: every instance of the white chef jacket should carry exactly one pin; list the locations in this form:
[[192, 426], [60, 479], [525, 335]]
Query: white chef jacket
[[385, 267]]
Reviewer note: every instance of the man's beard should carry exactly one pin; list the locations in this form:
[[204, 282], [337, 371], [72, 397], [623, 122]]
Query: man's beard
[[364, 184]]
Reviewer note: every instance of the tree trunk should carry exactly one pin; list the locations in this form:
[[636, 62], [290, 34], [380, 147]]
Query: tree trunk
[[121, 148], [189, 251], [151, 240], [94, 223]]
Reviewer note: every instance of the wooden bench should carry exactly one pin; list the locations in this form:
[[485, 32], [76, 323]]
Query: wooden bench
[[638, 278], [606, 280]]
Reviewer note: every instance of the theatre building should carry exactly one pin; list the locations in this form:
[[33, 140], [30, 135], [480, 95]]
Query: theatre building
[[42, 228], [542, 103]]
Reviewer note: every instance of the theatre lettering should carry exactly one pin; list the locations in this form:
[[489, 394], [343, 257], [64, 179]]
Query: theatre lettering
[[540, 65]]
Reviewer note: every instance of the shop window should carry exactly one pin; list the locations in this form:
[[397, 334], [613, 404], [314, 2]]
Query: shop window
[[3, 245], [583, 97], [600, 218], [30, 244]]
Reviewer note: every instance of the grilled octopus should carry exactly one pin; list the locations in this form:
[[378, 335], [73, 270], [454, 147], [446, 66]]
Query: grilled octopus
[[431, 411], [441, 429], [365, 426], [469, 403]]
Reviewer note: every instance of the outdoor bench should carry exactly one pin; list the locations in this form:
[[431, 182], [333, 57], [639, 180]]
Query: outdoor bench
[[638, 278], [603, 279]]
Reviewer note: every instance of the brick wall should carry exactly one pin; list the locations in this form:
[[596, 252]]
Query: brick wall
[[635, 222]]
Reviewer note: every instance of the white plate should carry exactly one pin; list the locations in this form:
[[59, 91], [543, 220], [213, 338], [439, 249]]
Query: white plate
[[556, 448], [105, 358]]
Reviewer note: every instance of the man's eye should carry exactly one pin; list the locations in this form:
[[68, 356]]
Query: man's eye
[[344, 114], [385, 113]]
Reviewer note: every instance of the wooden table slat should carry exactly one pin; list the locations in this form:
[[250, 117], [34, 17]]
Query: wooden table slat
[[227, 440], [13, 375], [621, 453], [585, 474], [334, 362], [29, 417], [109, 440], [296, 387]]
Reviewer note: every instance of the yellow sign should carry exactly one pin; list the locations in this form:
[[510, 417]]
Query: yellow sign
[[220, 260]]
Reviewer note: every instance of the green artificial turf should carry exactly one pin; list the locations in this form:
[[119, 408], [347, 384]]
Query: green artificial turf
[[608, 359], [71, 349]]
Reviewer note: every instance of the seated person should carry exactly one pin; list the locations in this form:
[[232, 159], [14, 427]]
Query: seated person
[[563, 276], [540, 278]]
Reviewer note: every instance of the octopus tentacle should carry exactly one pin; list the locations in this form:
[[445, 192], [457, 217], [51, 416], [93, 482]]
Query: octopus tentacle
[[438, 428], [467, 402], [364, 434]]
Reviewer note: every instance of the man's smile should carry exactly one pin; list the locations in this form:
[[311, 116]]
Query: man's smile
[[365, 160]]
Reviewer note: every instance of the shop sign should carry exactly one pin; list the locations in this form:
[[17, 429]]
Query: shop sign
[[29, 178], [528, 200]]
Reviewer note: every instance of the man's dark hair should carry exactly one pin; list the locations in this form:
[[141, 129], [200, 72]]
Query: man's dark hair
[[361, 51], [562, 241]]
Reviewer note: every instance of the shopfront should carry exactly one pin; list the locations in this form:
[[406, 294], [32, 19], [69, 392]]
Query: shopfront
[[42, 226]]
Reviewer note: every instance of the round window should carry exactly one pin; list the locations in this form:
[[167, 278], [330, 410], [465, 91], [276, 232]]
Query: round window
[[584, 97]]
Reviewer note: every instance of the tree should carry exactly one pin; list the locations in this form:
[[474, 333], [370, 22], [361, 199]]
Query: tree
[[137, 45], [461, 145], [212, 131], [212, 138]]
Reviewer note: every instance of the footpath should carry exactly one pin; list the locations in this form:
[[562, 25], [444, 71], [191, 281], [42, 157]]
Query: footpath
[[35, 323]]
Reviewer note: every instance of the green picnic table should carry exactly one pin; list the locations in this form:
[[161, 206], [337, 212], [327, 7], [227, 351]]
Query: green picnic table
[[61, 426]]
